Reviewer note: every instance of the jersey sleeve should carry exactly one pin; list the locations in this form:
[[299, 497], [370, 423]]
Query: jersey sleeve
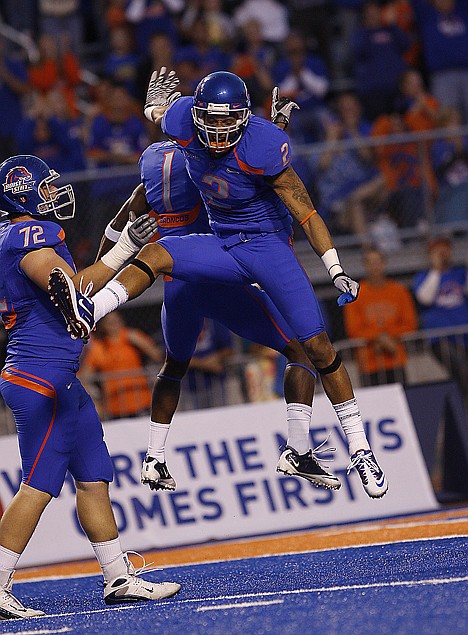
[[32, 235], [177, 122], [267, 149]]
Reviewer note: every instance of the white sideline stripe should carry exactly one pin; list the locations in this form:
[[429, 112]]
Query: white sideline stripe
[[44, 631], [352, 587], [265, 555], [237, 605]]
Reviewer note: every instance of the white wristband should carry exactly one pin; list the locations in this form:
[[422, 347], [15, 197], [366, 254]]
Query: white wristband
[[332, 262], [111, 233], [122, 251], [149, 113]]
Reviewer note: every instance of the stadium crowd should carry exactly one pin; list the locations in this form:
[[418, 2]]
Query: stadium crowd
[[359, 70]]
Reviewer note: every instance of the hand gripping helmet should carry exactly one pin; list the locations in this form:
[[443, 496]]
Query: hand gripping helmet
[[222, 95], [26, 188]]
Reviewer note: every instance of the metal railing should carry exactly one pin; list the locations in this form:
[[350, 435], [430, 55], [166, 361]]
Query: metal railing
[[432, 356]]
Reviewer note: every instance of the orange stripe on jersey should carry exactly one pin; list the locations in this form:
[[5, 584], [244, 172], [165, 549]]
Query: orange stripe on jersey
[[304, 221], [180, 219], [245, 167], [268, 314], [61, 235]]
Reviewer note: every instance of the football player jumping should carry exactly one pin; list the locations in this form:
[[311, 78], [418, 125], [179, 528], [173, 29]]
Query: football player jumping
[[57, 423], [241, 164]]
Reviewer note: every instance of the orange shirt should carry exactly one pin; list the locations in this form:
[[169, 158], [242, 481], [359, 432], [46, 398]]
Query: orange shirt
[[125, 395], [387, 309]]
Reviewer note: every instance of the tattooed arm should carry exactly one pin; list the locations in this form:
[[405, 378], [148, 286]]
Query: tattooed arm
[[291, 190]]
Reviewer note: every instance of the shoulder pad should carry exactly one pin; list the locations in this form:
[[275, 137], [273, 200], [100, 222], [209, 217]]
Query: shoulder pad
[[177, 122], [264, 147], [32, 234]]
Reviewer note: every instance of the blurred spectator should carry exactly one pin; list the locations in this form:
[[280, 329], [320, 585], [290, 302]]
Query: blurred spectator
[[160, 53], [347, 14], [121, 63], [401, 13], [120, 351], [152, 16], [349, 186], [206, 377], [260, 373], [303, 77], [115, 14], [57, 68], [421, 110], [117, 138], [442, 294], [22, 16], [272, 15], [378, 52], [13, 87], [385, 311], [205, 57], [62, 19], [450, 161], [220, 26], [404, 171], [443, 26], [43, 134], [253, 62], [313, 19]]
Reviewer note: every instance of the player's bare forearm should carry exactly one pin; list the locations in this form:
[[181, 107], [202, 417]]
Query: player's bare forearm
[[135, 203], [157, 113], [291, 190]]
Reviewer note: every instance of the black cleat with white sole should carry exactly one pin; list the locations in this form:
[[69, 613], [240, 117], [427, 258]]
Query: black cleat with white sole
[[306, 466]]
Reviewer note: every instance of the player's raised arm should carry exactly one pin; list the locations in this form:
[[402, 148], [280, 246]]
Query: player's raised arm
[[291, 190]]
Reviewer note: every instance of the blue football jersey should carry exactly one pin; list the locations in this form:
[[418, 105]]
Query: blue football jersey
[[233, 185], [170, 192], [35, 327]]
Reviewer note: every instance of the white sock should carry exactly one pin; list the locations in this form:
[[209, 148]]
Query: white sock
[[351, 421], [298, 417], [157, 440], [108, 299], [111, 559], [8, 561]]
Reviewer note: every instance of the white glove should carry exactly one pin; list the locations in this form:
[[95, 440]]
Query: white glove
[[281, 108], [349, 288], [134, 236], [160, 92]]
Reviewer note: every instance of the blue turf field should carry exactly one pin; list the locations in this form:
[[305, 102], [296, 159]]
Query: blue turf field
[[406, 588]]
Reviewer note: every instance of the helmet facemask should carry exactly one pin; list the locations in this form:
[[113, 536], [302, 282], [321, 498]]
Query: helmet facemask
[[219, 138], [59, 201]]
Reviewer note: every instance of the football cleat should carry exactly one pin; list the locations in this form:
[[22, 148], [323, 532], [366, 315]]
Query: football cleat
[[11, 608], [306, 466], [156, 475], [372, 477], [77, 308], [131, 588]]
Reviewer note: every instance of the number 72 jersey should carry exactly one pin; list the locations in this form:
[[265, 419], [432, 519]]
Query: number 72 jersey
[[35, 327], [233, 186]]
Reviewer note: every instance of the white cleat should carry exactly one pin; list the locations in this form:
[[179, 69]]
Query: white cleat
[[12, 609], [372, 476], [131, 588]]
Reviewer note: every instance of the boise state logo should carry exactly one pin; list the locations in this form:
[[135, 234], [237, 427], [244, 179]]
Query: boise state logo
[[18, 180]]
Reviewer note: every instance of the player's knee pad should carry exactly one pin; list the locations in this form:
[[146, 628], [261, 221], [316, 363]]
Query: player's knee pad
[[331, 368]]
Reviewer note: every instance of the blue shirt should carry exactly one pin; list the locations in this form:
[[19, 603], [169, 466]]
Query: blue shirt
[[450, 307], [233, 185], [35, 327]]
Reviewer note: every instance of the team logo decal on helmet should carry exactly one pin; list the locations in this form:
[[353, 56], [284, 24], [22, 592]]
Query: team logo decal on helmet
[[18, 179], [27, 188], [221, 110]]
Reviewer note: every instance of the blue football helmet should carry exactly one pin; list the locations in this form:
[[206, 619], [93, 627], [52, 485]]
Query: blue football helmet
[[26, 188], [221, 95]]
